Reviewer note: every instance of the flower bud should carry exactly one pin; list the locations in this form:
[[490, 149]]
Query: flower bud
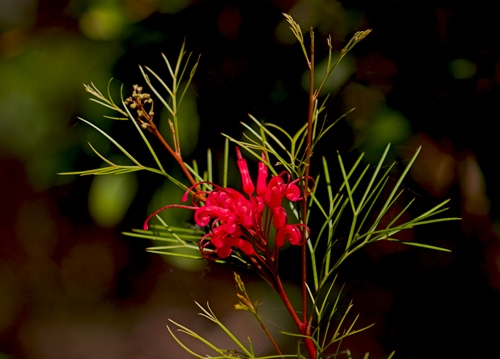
[[248, 186], [262, 177]]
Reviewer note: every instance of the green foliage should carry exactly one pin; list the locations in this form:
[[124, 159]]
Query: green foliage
[[365, 213], [242, 351], [179, 242]]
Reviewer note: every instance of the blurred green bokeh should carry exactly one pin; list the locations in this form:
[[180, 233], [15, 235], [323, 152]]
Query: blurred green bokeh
[[42, 86], [110, 198]]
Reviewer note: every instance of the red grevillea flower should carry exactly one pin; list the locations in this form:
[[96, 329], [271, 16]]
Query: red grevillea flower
[[244, 221]]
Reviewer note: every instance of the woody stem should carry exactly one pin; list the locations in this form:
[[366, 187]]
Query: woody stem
[[177, 157], [301, 326], [310, 114]]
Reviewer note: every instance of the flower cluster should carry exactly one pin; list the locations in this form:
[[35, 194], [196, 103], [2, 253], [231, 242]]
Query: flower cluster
[[245, 221]]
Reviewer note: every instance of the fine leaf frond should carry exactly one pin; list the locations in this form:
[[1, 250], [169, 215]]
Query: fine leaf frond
[[190, 79], [368, 210], [99, 155], [182, 242], [193, 334], [325, 130], [169, 251], [421, 245], [297, 32], [340, 333], [102, 100], [194, 171], [113, 141], [116, 118], [209, 166], [252, 149], [155, 91], [221, 353], [225, 166], [266, 131], [209, 314], [105, 171]]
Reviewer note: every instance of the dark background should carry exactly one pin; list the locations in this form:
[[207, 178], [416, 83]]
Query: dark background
[[71, 286]]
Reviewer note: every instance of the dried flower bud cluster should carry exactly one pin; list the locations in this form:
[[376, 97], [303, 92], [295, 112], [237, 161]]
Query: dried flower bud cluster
[[138, 102]]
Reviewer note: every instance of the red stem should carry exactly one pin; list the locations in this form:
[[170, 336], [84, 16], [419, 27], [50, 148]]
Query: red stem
[[301, 326], [306, 328], [175, 154], [177, 157]]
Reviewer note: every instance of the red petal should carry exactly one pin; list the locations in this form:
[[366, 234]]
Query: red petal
[[246, 181], [279, 217], [291, 232], [262, 177], [203, 214]]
